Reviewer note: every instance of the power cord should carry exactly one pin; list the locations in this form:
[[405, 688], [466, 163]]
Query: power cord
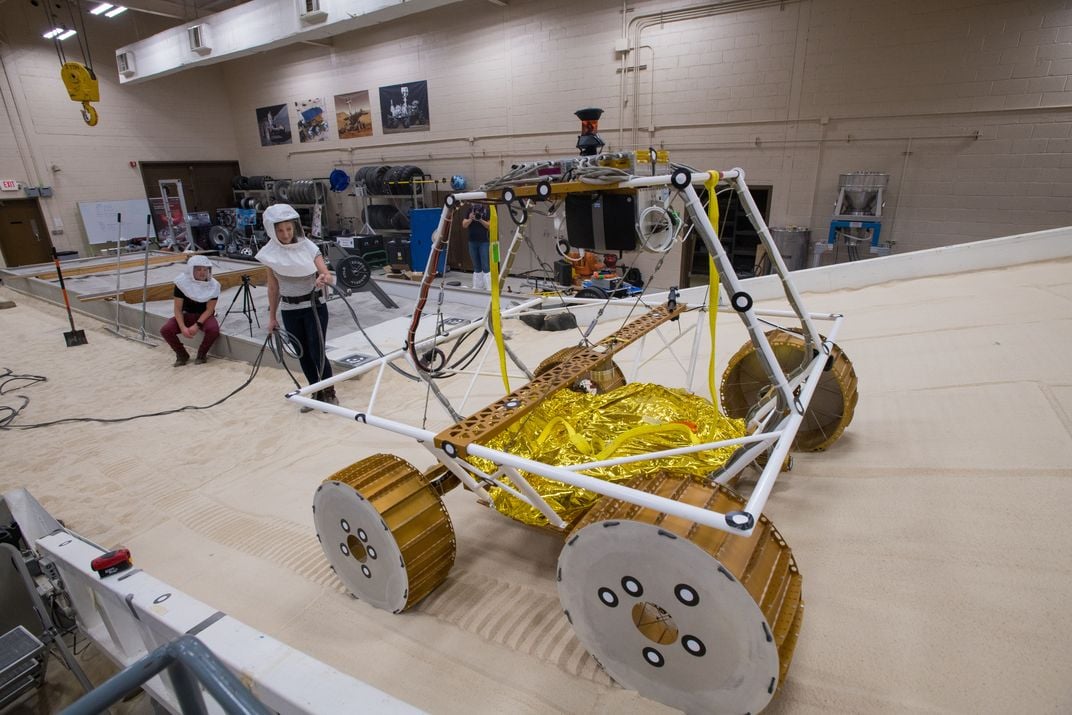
[[6, 421]]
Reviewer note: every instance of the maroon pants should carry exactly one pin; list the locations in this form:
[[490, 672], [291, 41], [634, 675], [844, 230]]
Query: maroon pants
[[170, 333]]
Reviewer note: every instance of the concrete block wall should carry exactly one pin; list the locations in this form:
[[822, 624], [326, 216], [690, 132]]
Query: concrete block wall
[[185, 117], [965, 103]]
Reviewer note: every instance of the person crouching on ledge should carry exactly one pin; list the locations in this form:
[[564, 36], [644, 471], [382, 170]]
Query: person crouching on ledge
[[196, 293]]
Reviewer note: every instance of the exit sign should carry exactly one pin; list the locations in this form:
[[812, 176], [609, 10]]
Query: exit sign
[[9, 185]]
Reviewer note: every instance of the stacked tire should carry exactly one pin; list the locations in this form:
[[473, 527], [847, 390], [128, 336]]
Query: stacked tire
[[389, 180]]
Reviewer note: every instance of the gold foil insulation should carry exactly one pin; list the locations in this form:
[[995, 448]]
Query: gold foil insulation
[[573, 428]]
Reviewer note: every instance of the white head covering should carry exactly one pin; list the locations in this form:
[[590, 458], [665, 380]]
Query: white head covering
[[199, 291], [293, 259]]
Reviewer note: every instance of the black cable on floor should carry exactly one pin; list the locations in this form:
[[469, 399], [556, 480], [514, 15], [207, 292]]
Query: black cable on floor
[[5, 422]]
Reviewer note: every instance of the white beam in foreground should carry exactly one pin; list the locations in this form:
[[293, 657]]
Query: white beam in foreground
[[132, 613]]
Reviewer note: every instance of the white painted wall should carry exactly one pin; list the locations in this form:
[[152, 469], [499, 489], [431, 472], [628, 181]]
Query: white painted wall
[[183, 118]]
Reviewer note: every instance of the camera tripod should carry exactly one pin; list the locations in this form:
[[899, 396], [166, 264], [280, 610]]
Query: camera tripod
[[249, 308]]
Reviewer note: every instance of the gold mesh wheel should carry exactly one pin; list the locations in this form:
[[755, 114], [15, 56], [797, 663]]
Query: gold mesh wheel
[[606, 375], [832, 405], [688, 615], [385, 531]]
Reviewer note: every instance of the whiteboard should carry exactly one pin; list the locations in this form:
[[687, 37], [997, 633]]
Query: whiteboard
[[99, 219]]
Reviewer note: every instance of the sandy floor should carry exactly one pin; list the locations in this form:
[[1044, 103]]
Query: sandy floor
[[932, 537]]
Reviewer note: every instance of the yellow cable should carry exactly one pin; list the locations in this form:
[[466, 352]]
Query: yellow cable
[[496, 318], [713, 285]]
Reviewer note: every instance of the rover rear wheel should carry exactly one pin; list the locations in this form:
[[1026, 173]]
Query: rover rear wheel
[[744, 384]]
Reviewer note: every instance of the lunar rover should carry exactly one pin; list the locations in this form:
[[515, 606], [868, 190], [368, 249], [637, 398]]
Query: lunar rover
[[677, 583]]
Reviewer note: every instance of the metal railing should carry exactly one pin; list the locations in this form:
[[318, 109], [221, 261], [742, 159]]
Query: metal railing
[[190, 664]]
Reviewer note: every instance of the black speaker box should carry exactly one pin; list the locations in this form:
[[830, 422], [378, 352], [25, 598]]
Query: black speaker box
[[398, 253], [563, 273], [580, 231], [370, 242], [619, 222], [601, 222]]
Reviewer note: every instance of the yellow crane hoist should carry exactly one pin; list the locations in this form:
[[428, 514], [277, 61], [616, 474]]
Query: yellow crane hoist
[[82, 87], [78, 77]]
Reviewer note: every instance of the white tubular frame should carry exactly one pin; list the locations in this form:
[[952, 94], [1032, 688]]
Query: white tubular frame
[[788, 401]]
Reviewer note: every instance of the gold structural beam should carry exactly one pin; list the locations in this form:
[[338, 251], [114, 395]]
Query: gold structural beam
[[499, 415]]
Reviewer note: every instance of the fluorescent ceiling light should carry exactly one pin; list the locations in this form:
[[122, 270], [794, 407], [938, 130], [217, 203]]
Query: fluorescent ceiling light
[[118, 10], [52, 33], [103, 7], [69, 33]]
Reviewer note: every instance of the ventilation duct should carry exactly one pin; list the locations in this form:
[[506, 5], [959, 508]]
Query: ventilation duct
[[309, 11], [199, 39], [125, 62]]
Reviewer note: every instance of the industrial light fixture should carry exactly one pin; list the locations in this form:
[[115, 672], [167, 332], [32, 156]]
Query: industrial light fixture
[[103, 7], [117, 10], [59, 33]]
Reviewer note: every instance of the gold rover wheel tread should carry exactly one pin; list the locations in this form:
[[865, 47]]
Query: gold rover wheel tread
[[833, 404], [763, 563], [413, 512]]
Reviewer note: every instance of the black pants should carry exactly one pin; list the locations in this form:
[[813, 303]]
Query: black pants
[[302, 324]]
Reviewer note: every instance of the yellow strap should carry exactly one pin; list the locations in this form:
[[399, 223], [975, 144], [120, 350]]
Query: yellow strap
[[577, 440], [496, 318], [713, 285], [642, 430]]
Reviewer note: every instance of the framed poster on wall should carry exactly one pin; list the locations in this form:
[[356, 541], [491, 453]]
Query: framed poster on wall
[[404, 108], [273, 125], [312, 120], [353, 114]]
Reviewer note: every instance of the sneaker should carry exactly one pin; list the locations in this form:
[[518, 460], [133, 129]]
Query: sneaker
[[181, 360], [200, 360]]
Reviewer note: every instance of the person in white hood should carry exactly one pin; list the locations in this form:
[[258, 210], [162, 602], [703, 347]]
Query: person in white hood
[[296, 275], [196, 293]]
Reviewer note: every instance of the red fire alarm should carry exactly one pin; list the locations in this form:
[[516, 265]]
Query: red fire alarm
[[133, 164], [111, 563]]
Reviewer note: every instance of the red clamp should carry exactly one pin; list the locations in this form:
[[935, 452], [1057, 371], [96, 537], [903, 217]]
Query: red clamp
[[111, 563]]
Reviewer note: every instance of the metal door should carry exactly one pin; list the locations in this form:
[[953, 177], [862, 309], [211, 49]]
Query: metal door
[[24, 238]]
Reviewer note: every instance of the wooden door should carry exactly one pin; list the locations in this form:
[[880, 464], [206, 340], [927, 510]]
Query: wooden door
[[24, 237]]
